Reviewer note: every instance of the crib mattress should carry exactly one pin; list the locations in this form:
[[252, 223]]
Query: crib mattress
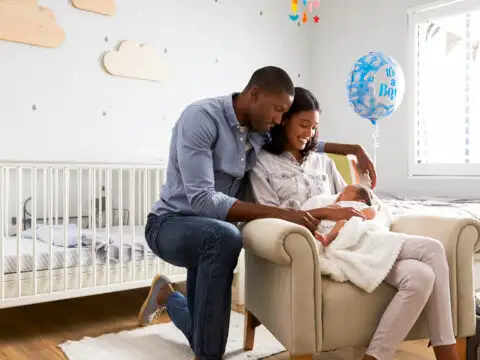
[[74, 256]]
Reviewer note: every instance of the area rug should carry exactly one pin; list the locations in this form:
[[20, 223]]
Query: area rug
[[166, 342]]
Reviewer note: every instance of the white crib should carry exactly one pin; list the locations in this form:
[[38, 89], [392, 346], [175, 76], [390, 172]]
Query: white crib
[[77, 229]]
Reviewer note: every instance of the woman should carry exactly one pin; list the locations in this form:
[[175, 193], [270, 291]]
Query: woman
[[289, 171]]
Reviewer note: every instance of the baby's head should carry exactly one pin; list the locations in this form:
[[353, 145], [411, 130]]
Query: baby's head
[[356, 193]]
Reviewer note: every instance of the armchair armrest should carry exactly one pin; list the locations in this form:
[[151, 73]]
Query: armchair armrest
[[283, 282], [265, 238], [444, 228], [461, 239]]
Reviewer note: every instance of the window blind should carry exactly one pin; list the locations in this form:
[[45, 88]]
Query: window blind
[[447, 89]]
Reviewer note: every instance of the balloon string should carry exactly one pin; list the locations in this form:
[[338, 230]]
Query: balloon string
[[375, 144]]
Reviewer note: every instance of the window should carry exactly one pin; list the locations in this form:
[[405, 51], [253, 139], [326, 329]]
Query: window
[[444, 88]]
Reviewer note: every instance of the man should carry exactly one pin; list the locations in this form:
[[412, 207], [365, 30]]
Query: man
[[214, 143]]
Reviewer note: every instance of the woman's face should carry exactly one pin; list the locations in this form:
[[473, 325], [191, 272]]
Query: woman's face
[[301, 128]]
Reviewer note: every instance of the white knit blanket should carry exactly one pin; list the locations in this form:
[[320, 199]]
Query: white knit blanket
[[363, 252]]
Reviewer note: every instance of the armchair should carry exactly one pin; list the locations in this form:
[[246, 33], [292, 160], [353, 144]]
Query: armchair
[[309, 313]]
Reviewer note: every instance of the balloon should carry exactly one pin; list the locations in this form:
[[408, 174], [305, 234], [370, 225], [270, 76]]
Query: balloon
[[375, 86]]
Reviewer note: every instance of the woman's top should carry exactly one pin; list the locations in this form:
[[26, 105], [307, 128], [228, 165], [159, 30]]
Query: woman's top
[[280, 180]]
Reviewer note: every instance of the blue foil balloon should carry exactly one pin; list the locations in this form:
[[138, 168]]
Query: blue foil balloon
[[375, 86]]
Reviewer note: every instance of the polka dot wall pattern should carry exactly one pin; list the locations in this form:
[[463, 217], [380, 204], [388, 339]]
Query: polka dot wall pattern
[[206, 48]]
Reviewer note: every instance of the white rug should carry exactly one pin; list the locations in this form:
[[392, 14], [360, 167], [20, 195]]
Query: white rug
[[166, 342]]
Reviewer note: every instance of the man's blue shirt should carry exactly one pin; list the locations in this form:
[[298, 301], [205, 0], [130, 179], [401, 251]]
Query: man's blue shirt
[[207, 161]]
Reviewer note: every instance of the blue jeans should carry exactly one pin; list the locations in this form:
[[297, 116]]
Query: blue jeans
[[209, 250]]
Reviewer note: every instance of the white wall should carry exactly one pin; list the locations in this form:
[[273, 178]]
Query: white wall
[[349, 29], [211, 49]]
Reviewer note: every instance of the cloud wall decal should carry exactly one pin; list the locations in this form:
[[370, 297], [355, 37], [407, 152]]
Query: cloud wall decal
[[23, 21], [133, 60], [105, 7]]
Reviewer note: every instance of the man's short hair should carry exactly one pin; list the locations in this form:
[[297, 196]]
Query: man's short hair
[[272, 79]]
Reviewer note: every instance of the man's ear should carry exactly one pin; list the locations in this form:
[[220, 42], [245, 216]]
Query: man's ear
[[255, 94]]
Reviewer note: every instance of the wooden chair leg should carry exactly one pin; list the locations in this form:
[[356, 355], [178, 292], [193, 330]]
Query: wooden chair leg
[[251, 322], [302, 357], [462, 348]]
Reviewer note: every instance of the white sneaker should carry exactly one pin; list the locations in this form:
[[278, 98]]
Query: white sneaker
[[150, 308]]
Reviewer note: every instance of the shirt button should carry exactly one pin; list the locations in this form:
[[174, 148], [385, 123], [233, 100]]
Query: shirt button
[[241, 138], [241, 159]]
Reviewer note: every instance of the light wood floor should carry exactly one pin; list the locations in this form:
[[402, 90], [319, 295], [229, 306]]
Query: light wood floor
[[33, 332]]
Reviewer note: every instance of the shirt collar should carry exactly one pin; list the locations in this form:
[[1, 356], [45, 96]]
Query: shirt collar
[[256, 139]]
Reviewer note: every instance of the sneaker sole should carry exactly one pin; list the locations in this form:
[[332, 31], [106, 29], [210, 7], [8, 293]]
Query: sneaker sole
[[147, 301]]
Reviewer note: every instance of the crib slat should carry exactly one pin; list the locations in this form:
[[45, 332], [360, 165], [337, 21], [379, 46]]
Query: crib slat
[[19, 229], [145, 213], [94, 223], [34, 227], [132, 218], [80, 226], [50, 225], [56, 196], [66, 192], [2, 230], [120, 216], [107, 217]]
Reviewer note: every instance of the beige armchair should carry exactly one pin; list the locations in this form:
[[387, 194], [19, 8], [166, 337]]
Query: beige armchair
[[309, 313]]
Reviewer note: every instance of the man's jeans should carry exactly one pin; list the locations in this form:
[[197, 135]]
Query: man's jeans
[[209, 249]]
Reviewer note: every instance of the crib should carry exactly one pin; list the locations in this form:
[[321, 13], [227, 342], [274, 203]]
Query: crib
[[77, 229]]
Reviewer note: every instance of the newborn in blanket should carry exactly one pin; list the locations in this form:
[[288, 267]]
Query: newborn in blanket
[[357, 250], [355, 196]]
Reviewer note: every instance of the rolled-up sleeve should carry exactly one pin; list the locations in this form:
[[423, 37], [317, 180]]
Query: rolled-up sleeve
[[196, 134], [321, 146]]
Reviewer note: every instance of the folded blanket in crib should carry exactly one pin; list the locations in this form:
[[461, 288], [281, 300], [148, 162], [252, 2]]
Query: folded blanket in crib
[[57, 235], [363, 252], [104, 246]]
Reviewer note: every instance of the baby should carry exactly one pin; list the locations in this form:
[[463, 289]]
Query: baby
[[355, 196]]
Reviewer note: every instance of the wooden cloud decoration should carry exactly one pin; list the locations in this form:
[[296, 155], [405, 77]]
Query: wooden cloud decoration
[[133, 60], [24, 21], [105, 7]]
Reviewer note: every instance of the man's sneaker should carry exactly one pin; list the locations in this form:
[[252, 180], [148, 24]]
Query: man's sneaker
[[150, 308]]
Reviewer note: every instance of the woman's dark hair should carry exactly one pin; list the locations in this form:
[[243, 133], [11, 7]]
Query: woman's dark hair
[[303, 100]]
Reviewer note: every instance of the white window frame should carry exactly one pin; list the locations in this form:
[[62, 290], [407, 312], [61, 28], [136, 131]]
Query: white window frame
[[437, 9]]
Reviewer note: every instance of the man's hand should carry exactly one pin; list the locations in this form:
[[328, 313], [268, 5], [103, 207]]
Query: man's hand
[[345, 213], [300, 217], [365, 165]]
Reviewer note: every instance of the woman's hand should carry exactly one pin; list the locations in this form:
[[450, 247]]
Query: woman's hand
[[365, 165]]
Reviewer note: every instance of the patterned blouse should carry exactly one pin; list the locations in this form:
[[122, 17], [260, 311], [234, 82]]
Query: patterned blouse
[[280, 180]]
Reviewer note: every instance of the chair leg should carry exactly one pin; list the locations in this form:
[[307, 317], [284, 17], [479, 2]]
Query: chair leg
[[250, 324], [462, 348], [302, 357]]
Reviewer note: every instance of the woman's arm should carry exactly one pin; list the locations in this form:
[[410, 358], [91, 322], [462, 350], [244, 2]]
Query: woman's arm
[[365, 164]]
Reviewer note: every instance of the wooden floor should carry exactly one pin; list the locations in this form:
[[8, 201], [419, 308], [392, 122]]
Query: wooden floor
[[33, 332]]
